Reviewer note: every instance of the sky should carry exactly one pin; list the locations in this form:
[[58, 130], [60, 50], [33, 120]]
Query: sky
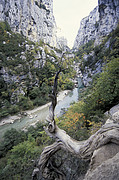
[[68, 14]]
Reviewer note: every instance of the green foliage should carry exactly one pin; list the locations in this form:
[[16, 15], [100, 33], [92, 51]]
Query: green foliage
[[4, 26], [25, 103], [107, 50], [85, 49], [105, 90], [11, 138], [34, 93], [74, 122], [19, 163], [20, 150], [69, 85], [82, 119], [30, 79], [10, 44], [39, 134], [65, 83]]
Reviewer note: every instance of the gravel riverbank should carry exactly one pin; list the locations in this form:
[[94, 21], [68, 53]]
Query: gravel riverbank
[[12, 119]]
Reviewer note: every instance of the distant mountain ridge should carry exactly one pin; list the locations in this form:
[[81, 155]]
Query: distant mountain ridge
[[100, 22], [32, 18]]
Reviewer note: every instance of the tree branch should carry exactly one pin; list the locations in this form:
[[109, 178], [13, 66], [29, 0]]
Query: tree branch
[[84, 149]]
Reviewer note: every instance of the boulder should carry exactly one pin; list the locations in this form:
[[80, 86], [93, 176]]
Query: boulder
[[104, 163], [107, 170]]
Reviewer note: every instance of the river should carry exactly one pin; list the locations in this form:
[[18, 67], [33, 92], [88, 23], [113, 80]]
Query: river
[[40, 115]]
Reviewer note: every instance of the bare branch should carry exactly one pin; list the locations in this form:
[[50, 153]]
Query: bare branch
[[84, 149]]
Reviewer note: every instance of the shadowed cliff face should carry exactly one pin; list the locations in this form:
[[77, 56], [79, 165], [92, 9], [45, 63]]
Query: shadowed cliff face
[[100, 22], [32, 18]]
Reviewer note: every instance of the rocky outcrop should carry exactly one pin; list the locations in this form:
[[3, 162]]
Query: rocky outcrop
[[107, 170], [105, 160], [102, 148], [100, 22], [87, 29], [32, 18], [89, 73], [39, 56]]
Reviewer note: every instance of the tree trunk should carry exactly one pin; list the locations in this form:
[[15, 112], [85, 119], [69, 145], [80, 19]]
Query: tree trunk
[[84, 149]]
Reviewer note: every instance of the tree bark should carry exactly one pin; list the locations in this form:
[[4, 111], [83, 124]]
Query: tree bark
[[84, 149]]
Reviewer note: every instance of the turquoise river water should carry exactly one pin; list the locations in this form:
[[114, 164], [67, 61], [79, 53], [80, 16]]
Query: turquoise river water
[[40, 115]]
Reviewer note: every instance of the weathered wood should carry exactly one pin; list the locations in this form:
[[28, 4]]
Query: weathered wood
[[84, 149], [53, 96]]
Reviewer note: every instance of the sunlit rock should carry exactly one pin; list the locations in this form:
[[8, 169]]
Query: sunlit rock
[[100, 22]]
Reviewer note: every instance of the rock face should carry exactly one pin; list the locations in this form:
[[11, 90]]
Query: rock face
[[107, 170], [105, 160], [32, 18], [100, 22]]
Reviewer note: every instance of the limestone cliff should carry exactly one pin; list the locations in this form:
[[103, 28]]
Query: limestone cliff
[[105, 160], [32, 18], [100, 22]]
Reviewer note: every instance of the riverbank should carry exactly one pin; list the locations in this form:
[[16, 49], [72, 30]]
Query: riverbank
[[29, 113]]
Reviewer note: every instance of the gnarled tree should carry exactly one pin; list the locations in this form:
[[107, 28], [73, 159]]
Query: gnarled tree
[[83, 149]]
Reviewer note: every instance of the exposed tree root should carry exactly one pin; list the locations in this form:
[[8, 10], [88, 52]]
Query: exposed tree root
[[84, 149]]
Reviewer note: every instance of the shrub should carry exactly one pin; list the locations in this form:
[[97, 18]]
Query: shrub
[[105, 91], [11, 138], [25, 103], [20, 163]]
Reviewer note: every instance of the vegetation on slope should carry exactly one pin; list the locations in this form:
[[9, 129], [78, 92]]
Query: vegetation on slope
[[27, 72], [87, 115], [96, 99], [89, 54], [20, 151]]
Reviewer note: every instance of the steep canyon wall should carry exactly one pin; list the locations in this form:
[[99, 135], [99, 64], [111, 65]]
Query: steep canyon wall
[[32, 18], [100, 22]]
